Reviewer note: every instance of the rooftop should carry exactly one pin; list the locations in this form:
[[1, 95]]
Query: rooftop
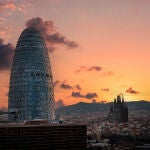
[[36, 123]]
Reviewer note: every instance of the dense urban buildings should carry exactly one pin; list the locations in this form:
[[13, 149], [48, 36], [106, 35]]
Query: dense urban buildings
[[102, 134], [42, 137], [31, 94], [118, 110]]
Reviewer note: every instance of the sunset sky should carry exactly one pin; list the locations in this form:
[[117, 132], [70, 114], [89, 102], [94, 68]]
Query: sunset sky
[[97, 48]]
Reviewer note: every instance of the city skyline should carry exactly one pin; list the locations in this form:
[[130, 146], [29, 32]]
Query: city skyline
[[97, 48]]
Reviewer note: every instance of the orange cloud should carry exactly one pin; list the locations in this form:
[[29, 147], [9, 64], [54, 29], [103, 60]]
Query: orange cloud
[[2, 34], [7, 5]]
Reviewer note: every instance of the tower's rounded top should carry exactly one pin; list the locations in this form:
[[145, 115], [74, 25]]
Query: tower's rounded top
[[31, 49], [30, 34], [30, 29]]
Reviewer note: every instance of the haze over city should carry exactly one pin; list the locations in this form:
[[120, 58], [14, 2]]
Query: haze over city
[[97, 49]]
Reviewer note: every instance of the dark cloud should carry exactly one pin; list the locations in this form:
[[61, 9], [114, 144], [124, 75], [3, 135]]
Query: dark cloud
[[90, 95], [50, 33], [131, 91], [6, 55], [88, 68], [87, 96], [105, 89], [66, 86], [59, 103], [46, 27], [57, 38], [94, 68], [77, 95], [78, 87]]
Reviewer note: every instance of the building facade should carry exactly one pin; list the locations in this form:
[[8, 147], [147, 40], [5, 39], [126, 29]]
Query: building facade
[[118, 110], [43, 137], [31, 92]]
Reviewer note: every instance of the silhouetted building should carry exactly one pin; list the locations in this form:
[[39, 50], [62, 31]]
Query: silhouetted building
[[31, 92], [42, 137], [118, 110]]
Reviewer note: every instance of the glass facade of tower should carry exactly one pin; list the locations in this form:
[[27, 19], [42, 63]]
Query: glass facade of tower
[[31, 93]]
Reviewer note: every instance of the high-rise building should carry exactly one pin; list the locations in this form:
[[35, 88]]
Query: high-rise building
[[31, 93], [118, 110]]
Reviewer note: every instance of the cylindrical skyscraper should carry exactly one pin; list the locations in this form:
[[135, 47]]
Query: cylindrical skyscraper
[[31, 92]]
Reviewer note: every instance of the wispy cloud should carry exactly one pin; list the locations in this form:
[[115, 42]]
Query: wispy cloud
[[22, 8], [87, 95], [2, 34], [105, 89], [88, 68], [2, 20], [107, 73], [78, 87], [66, 86], [131, 91], [15, 5], [7, 5]]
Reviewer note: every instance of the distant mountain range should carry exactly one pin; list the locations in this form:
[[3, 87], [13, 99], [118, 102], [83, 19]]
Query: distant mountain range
[[83, 107]]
